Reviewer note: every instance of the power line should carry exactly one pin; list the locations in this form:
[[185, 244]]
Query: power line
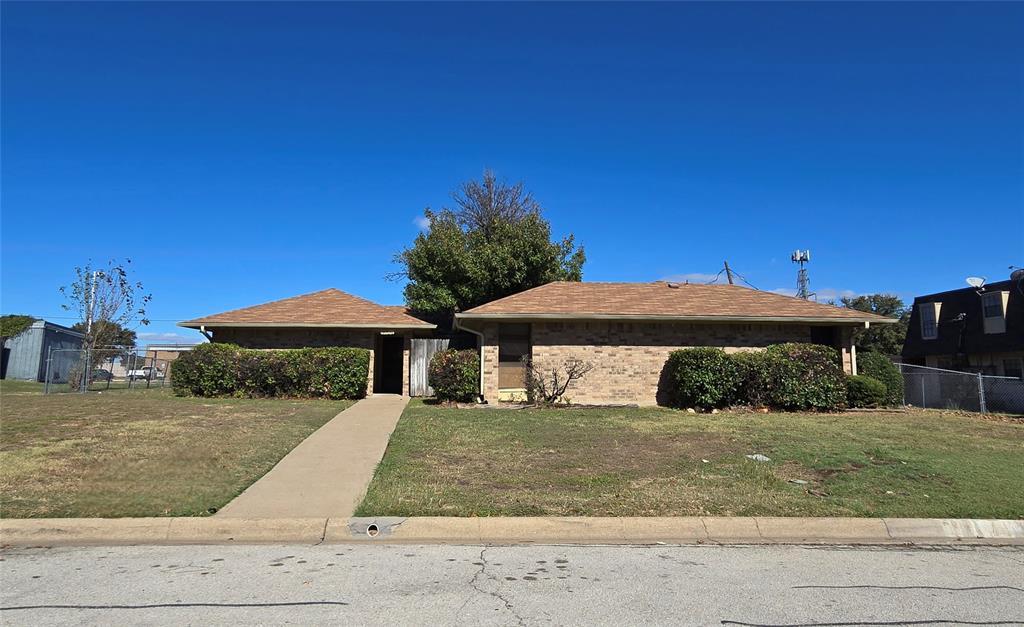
[[79, 318]]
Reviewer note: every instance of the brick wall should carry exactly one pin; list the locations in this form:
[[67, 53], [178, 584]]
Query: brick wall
[[629, 357]]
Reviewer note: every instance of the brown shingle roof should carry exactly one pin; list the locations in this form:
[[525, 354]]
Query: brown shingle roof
[[662, 300], [327, 308]]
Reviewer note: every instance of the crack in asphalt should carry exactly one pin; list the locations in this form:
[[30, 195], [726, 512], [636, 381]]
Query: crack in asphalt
[[496, 594], [1014, 588], [323, 532]]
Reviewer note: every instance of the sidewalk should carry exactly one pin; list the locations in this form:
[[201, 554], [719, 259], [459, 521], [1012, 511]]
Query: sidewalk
[[327, 474]]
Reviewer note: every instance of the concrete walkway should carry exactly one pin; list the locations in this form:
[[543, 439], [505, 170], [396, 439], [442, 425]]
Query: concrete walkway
[[327, 474]]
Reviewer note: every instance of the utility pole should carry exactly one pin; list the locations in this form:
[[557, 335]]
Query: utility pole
[[89, 314], [728, 273], [92, 301]]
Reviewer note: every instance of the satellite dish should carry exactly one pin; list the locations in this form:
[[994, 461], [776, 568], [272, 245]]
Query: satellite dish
[[976, 282]]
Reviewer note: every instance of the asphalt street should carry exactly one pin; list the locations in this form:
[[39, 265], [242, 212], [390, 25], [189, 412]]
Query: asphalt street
[[524, 585]]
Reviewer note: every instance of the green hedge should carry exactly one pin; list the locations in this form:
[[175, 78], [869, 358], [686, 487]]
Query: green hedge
[[703, 377], [755, 369], [228, 370], [784, 376], [455, 375], [878, 366], [806, 376], [865, 391]]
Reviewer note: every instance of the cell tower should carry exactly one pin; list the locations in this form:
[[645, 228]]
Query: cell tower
[[803, 284]]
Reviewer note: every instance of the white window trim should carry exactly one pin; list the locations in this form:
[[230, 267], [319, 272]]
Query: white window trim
[[995, 324], [935, 308]]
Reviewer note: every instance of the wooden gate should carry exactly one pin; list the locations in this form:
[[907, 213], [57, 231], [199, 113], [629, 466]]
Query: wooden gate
[[423, 349]]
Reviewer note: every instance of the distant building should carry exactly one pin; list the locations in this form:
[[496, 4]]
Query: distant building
[[25, 354], [971, 329], [160, 356]]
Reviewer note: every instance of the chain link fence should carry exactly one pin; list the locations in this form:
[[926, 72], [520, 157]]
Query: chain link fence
[[104, 368], [936, 388]]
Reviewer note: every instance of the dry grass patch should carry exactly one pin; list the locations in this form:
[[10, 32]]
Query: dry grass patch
[[141, 453], [654, 461]]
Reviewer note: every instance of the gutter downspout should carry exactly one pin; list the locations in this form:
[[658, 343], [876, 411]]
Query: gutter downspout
[[202, 329], [480, 337]]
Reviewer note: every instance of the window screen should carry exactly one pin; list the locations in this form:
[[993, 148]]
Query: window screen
[[992, 305], [929, 328]]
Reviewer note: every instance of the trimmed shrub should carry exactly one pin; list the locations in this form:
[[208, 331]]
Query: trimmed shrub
[[806, 376], [865, 391], [755, 377], [455, 375], [703, 377], [206, 370], [878, 366], [227, 370]]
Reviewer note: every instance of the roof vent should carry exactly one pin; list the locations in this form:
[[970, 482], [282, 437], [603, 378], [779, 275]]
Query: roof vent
[[672, 285]]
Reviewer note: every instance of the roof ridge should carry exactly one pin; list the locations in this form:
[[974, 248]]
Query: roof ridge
[[602, 298], [347, 301]]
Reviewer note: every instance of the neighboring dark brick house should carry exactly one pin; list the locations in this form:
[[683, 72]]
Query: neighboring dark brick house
[[970, 329]]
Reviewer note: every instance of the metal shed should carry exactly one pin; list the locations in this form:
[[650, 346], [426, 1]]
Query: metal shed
[[24, 355]]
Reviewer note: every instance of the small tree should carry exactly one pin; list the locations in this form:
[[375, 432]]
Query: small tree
[[108, 302], [547, 386]]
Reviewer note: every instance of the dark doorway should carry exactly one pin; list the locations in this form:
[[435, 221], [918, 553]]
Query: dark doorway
[[390, 350], [826, 336]]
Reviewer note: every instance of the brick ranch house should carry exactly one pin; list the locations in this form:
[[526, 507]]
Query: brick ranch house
[[626, 330], [326, 318]]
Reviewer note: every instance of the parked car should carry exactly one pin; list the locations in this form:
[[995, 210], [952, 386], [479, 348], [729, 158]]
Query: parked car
[[100, 374], [148, 373]]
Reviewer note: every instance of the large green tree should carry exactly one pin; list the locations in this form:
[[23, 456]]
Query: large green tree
[[494, 242], [881, 338]]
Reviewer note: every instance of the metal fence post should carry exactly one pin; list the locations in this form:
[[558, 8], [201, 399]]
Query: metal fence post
[[83, 384], [981, 394], [49, 364]]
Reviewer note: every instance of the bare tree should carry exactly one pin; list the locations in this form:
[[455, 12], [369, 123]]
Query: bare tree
[[547, 386], [479, 205], [107, 301]]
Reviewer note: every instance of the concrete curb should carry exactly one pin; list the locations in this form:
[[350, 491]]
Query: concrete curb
[[526, 530]]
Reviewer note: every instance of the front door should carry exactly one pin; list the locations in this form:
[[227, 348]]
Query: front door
[[389, 377]]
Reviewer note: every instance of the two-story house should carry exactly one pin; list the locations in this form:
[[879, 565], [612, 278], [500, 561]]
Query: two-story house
[[971, 329]]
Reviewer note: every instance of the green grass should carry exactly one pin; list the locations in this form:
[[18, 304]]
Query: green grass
[[12, 386], [650, 462], [140, 453]]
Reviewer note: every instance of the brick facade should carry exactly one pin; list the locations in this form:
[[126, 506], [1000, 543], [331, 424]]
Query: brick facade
[[629, 357]]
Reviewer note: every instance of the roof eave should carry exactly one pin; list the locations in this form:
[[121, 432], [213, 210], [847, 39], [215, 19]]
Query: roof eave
[[195, 324], [670, 318]]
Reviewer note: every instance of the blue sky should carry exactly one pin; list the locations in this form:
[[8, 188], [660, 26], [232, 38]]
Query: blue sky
[[240, 153]]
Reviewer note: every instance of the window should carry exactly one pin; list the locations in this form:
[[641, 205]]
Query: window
[[992, 304], [513, 346], [929, 321], [1013, 368], [993, 311]]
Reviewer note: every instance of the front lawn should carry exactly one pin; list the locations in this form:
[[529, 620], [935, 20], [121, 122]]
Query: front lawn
[[140, 452], [661, 462]]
